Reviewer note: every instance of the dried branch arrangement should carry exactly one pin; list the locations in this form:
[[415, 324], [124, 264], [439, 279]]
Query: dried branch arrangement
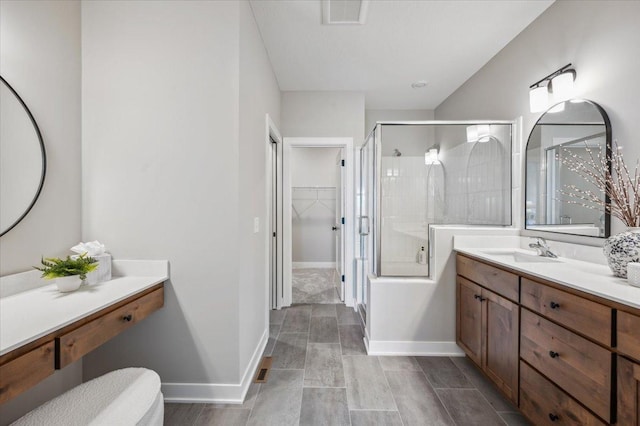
[[620, 185]]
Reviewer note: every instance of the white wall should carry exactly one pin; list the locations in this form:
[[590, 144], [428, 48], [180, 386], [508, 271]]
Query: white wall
[[40, 58], [259, 95], [600, 38], [174, 99], [331, 114], [311, 234]]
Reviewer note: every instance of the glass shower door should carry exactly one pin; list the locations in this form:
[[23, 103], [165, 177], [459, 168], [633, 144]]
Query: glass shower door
[[366, 226]]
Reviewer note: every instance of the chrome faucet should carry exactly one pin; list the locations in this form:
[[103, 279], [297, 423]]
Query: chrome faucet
[[542, 248]]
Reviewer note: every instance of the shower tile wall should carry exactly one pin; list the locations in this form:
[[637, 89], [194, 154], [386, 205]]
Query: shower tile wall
[[478, 188], [411, 199]]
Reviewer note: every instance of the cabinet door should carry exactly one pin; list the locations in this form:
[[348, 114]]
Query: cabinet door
[[628, 392], [501, 342], [469, 327]]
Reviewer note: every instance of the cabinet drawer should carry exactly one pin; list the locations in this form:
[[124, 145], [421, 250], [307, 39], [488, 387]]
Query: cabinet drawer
[[584, 316], [629, 334], [544, 404], [76, 343], [26, 371], [576, 365], [501, 282]]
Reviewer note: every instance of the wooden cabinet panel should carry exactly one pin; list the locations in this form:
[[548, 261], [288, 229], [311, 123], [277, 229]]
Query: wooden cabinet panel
[[469, 325], [578, 366], [584, 316], [501, 282], [629, 334], [77, 343], [628, 392], [501, 343], [545, 404], [26, 371]]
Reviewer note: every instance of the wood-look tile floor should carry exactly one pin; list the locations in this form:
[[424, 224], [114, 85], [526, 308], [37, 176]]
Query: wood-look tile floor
[[321, 375]]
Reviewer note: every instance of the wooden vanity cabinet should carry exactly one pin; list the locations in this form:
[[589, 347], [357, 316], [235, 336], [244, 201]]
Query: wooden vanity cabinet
[[563, 356], [487, 331]]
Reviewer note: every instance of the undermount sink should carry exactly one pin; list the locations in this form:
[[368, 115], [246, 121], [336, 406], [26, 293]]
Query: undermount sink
[[519, 256]]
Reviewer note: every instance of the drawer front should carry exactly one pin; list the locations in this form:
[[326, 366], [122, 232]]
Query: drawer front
[[629, 334], [544, 404], [579, 367], [77, 343], [584, 316], [501, 282], [26, 371]]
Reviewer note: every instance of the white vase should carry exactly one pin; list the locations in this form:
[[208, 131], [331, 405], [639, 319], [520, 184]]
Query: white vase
[[622, 248], [67, 284]]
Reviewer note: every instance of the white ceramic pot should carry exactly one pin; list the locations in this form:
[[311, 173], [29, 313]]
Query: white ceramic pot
[[67, 284], [622, 248]]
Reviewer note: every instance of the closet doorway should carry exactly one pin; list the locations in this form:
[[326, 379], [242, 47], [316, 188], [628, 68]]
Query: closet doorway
[[317, 235]]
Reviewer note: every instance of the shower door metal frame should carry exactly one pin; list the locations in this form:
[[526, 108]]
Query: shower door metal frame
[[378, 172]]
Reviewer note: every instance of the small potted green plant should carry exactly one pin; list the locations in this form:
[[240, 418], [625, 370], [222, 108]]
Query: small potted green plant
[[68, 273]]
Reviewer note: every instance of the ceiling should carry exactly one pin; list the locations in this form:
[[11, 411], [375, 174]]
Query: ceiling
[[402, 41]]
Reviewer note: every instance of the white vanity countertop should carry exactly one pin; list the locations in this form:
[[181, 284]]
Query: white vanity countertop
[[29, 315], [589, 277]]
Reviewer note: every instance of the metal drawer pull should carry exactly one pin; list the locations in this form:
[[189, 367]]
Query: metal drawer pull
[[553, 417], [479, 297], [554, 305], [553, 354], [127, 318]]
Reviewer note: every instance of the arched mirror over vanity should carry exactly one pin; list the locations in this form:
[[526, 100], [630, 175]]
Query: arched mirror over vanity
[[23, 161], [572, 128]]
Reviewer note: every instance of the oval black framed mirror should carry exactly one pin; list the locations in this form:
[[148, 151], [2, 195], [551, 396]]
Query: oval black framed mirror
[[23, 160], [576, 128]]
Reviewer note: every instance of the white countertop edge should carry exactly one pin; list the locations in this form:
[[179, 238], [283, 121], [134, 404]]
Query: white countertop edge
[[149, 282], [624, 293]]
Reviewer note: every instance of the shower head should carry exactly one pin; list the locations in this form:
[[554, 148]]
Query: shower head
[[396, 153]]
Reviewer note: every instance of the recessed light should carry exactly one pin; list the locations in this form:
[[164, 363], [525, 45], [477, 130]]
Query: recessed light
[[419, 84]]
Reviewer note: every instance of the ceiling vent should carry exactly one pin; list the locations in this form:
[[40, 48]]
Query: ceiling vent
[[344, 12]]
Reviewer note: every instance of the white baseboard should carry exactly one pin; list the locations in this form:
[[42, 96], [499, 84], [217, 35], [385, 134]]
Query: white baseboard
[[216, 392], [301, 265], [382, 348]]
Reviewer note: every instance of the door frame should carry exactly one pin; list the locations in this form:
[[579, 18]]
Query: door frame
[[272, 132], [349, 213], [340, 201]]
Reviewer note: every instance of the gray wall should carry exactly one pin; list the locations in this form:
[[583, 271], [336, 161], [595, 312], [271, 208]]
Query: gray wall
[[259, 95], [173, 167], [317, 114], [40, 58], [601, 39]]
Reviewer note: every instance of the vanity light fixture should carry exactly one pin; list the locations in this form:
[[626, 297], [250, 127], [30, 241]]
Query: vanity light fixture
[[431, 156], [559, 82]]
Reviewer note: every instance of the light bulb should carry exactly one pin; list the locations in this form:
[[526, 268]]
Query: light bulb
[[562, 85], [538, 98]]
